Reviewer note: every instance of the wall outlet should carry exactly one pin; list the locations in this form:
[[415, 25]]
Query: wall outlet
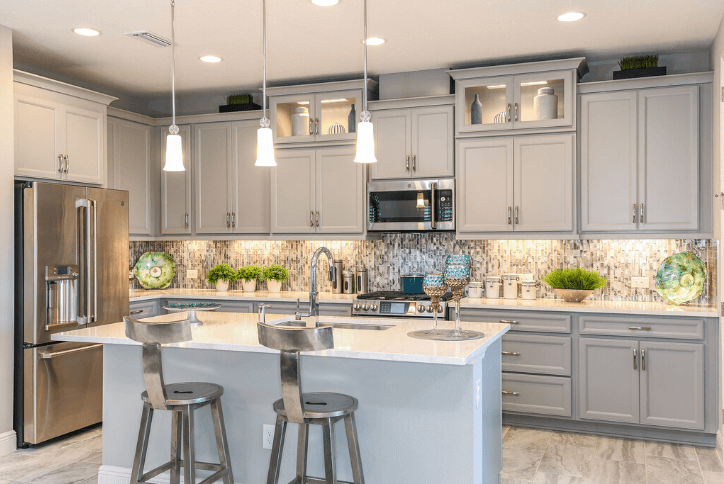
[[640, 282], [268, 437], [192, 274]]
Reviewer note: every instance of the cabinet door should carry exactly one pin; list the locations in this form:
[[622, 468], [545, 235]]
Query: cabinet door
[[332, 115], [251, 194], [669, 158], [393, 132], [291, 112], [84, 144], [533, 109], [672, 385], [485, 186], [543, 186], [432, 142], [608, 162], [212, 171], [38, 142], [608, 380], [292, 191], [340, 199], [133, 171], [495, 95], [176, 187]]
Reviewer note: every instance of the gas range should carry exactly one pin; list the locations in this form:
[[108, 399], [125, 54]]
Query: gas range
[[397, 305]]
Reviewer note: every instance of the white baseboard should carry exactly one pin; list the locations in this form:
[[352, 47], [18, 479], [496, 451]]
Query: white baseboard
[[7, 442], [121, 475]]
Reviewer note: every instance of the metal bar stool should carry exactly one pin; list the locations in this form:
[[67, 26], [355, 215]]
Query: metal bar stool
[[307, 409], [182, 399]]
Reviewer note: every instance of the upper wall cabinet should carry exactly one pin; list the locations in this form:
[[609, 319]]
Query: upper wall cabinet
[[533, 96], [646, 160], [416, 142], [176, 187], [317, 112], [60, 131]]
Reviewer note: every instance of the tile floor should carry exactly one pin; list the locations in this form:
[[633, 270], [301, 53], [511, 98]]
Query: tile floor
[[529, 457]]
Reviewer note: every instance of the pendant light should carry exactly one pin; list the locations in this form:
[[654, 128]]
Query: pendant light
[[264, 140], [174, 150], [365, 133]]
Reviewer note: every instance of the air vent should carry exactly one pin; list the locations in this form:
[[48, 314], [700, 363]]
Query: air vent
[[151, 38]]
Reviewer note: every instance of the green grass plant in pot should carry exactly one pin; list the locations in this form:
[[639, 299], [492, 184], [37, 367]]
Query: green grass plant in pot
[[574, 285], [248, 275], [274, 275], [221, 276]]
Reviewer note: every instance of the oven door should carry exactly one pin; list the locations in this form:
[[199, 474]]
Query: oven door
[[411, 205]]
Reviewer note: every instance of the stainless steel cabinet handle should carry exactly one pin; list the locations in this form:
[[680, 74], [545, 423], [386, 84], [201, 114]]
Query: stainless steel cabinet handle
[[516, 215], [643, 360], [311, 126], [311, 219], [407, 163], [186, 220], [511, 393], [509, 321], [634, 356], [137, 311], [233, 219], [316, 126], [634, 213], [49, 355], [509, 107], [516, 111], [60, 163], [511, 353], [414, 158], [317, 218], [67, 164], [641, 328], [641, 214], [510, 217], [228, 219]]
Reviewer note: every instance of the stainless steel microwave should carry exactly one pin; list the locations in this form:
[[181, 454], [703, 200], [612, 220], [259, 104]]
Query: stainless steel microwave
[[411, 205]]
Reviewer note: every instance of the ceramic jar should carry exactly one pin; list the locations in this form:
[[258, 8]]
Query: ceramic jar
[[492, 287], [510, 286], [545, 104], [528, 290], [300, 122], [475, 290]]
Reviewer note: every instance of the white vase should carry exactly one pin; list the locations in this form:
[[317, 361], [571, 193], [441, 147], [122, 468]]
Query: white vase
[[222, 286], [249, 286], [545, 104], [273, 286]]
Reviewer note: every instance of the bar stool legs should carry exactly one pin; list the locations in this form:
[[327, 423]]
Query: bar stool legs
[[353, 443]]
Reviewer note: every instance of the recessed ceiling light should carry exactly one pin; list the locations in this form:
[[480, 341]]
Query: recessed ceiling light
[[571, 16], [87, 32], [210, 58], [325, 3], [374, 41]]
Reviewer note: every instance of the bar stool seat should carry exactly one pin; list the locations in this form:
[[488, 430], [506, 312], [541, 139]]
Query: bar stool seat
[[189, 393], [322, 405]]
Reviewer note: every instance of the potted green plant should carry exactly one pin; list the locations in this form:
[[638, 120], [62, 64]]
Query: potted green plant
[[575, 285], [274, 275], [639, 66], [248, 275], [221, 276]]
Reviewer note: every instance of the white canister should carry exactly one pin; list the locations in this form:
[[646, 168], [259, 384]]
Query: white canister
[[510, 286], [521, 278], [492, 287], [300, 122], [475, 289], [545, 104], [528, 290]]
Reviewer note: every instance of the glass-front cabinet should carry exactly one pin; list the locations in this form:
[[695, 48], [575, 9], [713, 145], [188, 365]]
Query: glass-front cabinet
[[521, 96]]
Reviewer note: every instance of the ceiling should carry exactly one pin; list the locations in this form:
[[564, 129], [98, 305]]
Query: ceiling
[[310, 42]]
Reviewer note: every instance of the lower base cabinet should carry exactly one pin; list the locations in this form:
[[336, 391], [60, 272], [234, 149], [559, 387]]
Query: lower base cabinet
[[538, 394], [226, 306], [143, 309]]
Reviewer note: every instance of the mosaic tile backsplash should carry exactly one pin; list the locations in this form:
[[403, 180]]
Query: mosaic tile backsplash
[[397, 254]]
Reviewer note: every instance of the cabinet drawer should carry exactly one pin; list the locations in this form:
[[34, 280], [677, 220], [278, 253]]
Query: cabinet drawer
[[649, 327], [527, 353], [543, 395], [521, 321], [144, 309], [226, 306]]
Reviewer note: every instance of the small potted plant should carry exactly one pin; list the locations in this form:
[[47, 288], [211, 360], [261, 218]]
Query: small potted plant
[[274, 275], [640, 66], [248, 275], [574, 285], [221, 276]]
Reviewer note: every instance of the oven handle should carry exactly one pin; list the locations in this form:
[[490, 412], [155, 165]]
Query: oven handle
[[433, 222]]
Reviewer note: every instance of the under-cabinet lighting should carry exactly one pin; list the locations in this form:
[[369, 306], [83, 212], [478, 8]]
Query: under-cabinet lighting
[[210, 58], [571, 16], [533, 83], [303, 103], [87, 32], [497, 86], [325, 3], [333, 100]]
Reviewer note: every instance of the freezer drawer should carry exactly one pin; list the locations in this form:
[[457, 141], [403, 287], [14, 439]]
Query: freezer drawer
[[63, 389]]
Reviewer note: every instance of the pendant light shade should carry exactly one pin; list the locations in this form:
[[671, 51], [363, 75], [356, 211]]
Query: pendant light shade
[[365, 132], [264, 138], [174, 148]]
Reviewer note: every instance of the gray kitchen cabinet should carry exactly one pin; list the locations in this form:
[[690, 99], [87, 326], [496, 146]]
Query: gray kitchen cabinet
[[289, 308], [293, 192], [672, 384], [129, 149], [143, 309], [414, 143], [251, 193], [537, 394], [176, 192], [227, 306], [526, 353], [523, 321], [213, 178]]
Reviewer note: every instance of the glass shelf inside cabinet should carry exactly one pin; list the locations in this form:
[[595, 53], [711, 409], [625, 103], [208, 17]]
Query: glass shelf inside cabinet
[[542, 100], [338, 116], [293, 119], [493, 104]]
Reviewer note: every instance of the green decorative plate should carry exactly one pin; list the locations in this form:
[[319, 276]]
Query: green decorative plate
[[155, 270], [681, 278]]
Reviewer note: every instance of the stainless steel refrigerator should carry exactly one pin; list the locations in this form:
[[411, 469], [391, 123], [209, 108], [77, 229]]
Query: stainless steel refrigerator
[[71, 271]]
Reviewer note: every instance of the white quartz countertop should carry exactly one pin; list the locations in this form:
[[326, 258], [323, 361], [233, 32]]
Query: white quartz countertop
[[238, 332], [282, 296]]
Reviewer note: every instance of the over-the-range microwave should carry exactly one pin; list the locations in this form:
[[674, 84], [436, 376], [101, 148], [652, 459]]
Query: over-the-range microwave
[[415, 205]]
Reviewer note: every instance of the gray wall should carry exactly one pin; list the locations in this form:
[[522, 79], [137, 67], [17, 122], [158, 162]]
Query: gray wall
[[7, 168]]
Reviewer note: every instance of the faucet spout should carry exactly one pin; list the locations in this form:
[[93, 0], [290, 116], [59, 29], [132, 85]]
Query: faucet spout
[[313, 280]]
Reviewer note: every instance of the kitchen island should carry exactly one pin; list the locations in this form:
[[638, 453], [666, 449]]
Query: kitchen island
[[430, 412]]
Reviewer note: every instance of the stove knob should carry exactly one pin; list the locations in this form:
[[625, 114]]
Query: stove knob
[[356, 306], [420, 308], [430, 308], [439, 308], [373, 307], [365, 307]]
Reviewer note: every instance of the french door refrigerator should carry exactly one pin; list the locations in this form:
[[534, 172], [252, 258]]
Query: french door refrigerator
[[71, 272]]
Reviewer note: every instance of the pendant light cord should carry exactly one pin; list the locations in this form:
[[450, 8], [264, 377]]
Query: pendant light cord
[[173, 68], [264, 120], [364, 88]]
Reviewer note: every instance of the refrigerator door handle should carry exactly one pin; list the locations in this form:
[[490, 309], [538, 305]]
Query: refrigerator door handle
[[93, 264], [87, 241]]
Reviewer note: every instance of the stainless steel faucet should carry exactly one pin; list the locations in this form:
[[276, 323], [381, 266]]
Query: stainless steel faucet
[[313, 285]]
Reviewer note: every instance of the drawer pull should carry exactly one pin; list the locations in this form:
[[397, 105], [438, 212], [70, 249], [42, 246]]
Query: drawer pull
[[137, 311], [511, 353], [515, 394], [641, 328], [509, 321]]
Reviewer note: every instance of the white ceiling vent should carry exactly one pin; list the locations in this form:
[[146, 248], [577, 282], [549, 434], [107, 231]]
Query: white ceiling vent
[[151, 38]]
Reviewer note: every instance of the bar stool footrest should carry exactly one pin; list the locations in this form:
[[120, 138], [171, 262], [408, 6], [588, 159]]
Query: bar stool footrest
[[316, 480], [204, 466]]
